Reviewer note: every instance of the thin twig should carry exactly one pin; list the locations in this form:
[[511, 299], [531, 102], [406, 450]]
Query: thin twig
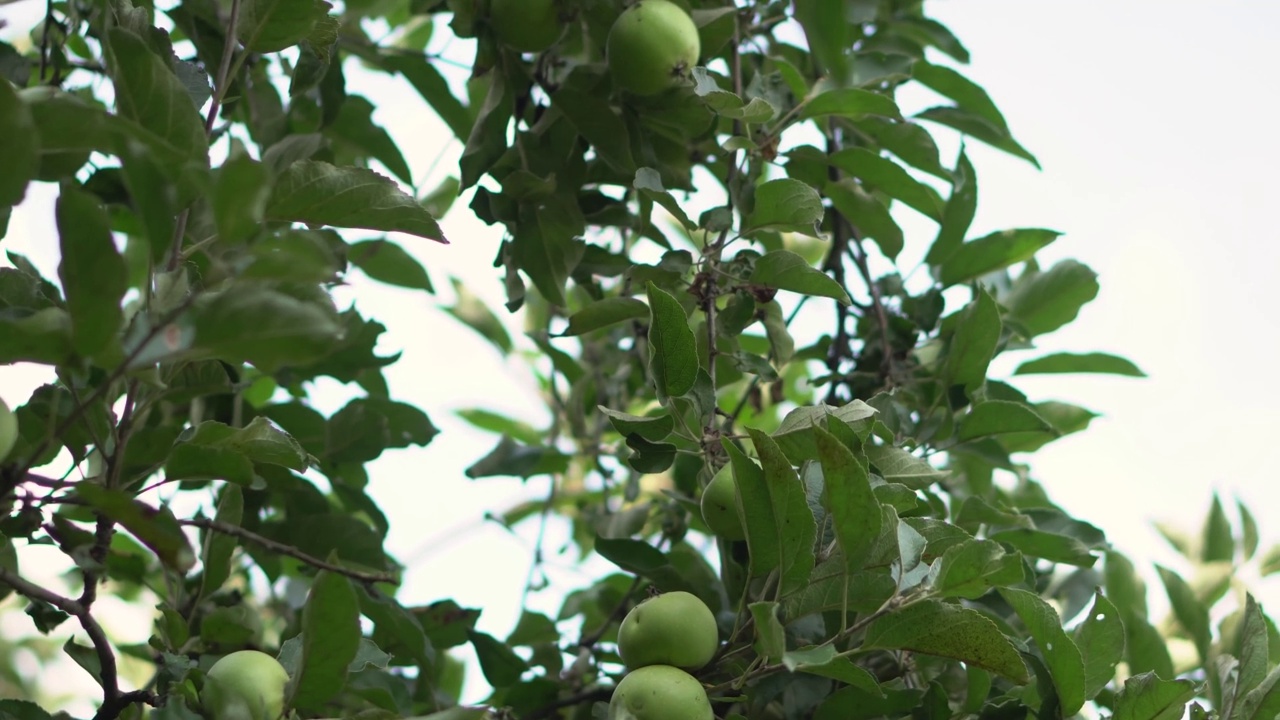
[[291, 551]]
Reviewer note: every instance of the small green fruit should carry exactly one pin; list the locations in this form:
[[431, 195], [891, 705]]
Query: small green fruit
[[720, 506], [674, 628], [660, 692], [8, 430], [245, 685], [526, 25], [652, 46]]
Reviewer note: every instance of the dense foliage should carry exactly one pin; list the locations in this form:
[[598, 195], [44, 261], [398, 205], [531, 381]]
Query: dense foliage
[[898, 558]]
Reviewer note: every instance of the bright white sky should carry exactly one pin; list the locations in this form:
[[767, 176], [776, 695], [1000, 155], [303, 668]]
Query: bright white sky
[[1154, 123]]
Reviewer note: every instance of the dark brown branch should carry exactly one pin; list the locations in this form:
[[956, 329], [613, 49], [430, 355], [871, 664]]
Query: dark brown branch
[[293, 552], [113, 700]]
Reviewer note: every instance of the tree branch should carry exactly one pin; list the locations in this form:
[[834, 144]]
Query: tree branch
[[113, 700], [291, 551]]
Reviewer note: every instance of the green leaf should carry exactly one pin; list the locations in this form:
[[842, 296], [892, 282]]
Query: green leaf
[[652, 428], [1252, 649], [40, 337], [148, 93], [821, 660], [787, 522], [771, 640], [993, 252], [488, 138], [649, 183], [786, 270], [218, 451], [330, 639], [267, 26], [1066, 665], [155, 528], [1145, 649], [728, 104], [1047, 545], [1248, 531], [544, 246], [1147, 697], [971, 568], [899, 466], [1080, 363], [596, 121], [974, 343], [1123, 585], [866, 213], [1192, 615], [795, 432], [850, 103], [241, 188], [70, 129], [317, 193], [355, 125], [518, 460], [827, 31], [499, 663], [933, 627], [977, 127], [389, 263], [1101, 641], [957, 214], [19, 146], [784, 205], [396, 630], [966, 93], [606, 312], [673, 351], [267, 328], [998, 417], [909, 141], [92, 271], [848, 499], [475, 314], [218, 548], [1042, 302], [1263, 702], [886, 175], [1217, 544]]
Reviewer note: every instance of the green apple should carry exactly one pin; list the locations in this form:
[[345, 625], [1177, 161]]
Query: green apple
[[8, 430], [659, 692], [526, 25], [245, 685], [720, 506], [674, 628], [652, 46]]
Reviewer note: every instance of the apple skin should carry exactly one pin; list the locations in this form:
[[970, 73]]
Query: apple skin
[[245, 685], [659, 692], [674, 628], [652, 46], [720, 506], [8, 430], [526, 25]]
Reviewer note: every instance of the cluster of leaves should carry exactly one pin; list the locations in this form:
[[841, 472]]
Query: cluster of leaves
[[900, 560]]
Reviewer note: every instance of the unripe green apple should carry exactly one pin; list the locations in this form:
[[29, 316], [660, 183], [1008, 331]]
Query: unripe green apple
[[526, 25], [652, 46], [674, 628], [8, 430], [720, 506], [245, 685], [659, 692]]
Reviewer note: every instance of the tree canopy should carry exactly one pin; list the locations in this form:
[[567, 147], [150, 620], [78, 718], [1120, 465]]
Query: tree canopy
[[876, 543]]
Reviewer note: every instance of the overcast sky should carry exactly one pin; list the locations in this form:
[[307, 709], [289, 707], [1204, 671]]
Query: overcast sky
[[1154, 125]]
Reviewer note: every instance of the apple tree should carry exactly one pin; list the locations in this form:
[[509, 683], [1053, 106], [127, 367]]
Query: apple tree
[[762, 328]]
